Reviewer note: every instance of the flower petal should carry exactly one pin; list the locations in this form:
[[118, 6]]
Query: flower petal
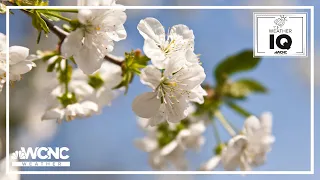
[[88, 60], [230, 155], [146, 105], [18, 54], [72, 43], [150, 76], [192, 57], [157, 56], [183, 37], [175, 63], [117, 33], [146, 144], [177, 111], [157, 161], [251, 125], [53, 114], [22, 67], [85, 16], [197, 95], [190, 77], [2, 42], [169, 148], [151, 28], [181, 31], [266, 122], [211, 164], [89, 108]]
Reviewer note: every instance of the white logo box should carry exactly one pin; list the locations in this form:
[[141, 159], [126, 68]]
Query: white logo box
[[289, 29]]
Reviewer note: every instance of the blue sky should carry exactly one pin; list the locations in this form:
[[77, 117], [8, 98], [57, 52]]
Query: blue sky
[[104, 142]]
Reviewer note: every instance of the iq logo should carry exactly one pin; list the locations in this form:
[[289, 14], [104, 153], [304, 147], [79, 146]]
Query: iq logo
[[41, 157], [280, 34]]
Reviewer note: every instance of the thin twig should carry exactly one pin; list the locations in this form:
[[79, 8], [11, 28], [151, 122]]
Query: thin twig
[[114, 61], [225, 123], [55, 29]]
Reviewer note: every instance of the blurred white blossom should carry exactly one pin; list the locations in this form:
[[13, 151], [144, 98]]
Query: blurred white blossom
[[73, 107], [167, 143], [102, 83], [246, 150], [19, 61]]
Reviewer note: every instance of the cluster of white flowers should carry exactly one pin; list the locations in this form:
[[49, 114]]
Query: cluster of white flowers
[[167, 143], [168, 115], [19, 61], [93, 40], [92, 83], [175, 74], [247, 150], [87, 96]]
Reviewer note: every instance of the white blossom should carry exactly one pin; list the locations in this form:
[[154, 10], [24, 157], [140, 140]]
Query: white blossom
[[172, 90], [56, 110], [160, 49], [102, 83], [161, 153], [260, 138], [20, 62], [89, 43], [248, 149]]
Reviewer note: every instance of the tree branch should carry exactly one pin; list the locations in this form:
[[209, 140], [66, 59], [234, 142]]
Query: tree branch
[[114, 61], [55, 29]]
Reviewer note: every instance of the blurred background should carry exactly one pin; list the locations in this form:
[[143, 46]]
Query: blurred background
[[105, 142]]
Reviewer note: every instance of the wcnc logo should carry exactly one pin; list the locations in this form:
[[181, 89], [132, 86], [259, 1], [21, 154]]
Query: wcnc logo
[[280, 34], [41, 157]]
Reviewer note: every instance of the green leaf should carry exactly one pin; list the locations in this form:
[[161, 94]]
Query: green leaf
[[48, 14], [51, 67], [134, 62], [243, 87], [243, 61], [65, 75], [31, 2], [238, 109], [38, 22]]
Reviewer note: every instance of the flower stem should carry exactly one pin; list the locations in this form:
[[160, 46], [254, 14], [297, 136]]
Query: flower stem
[[66, 74], [225, 123], [216, 132]]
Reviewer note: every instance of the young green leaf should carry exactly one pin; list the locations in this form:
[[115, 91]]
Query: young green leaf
[[243, 61], [243, 87], [51, 15], [32, 2], [38, 22], [133, 63]]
